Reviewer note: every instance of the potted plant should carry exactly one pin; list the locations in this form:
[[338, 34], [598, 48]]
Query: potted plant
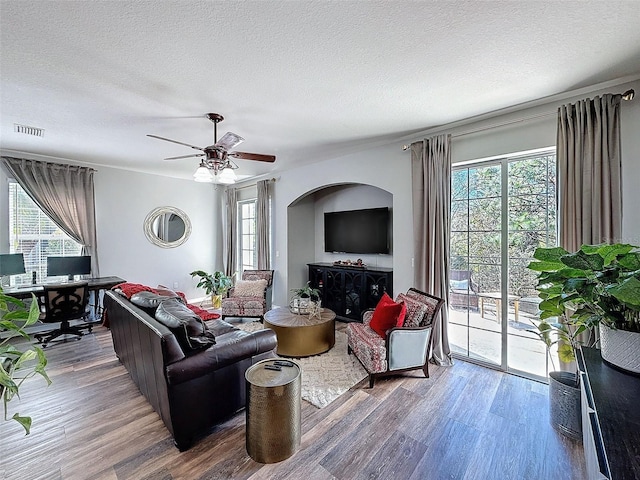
[[564, 386], [303, 298], [17, 363], [595, 286], [216, 285], [601, 284]]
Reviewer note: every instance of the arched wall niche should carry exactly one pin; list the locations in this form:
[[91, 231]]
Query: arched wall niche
[[305, 226]]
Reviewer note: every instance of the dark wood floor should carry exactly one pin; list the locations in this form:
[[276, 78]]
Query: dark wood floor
[[465, 422]]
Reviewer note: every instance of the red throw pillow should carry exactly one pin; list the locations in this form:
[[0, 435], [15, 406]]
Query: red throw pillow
[[388, 314]]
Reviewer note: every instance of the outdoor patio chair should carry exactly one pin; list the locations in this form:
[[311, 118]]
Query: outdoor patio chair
[[463, 291]]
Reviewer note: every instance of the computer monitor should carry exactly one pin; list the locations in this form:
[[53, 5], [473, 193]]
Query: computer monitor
[[70, 266], [11, 264]]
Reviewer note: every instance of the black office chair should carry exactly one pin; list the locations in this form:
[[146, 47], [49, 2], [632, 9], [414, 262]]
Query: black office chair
[[63, 303]]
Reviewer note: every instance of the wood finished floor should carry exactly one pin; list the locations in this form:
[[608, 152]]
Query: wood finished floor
[[465, 422]]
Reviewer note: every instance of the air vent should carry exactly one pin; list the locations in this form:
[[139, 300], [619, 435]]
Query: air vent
[[27, 130]]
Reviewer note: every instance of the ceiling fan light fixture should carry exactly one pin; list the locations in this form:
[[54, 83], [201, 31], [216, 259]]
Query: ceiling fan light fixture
[[227, 176], [202, 174]]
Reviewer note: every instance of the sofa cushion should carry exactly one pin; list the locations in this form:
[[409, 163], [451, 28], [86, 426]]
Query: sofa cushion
[[148, 301], [231, 347], [250, 288], [189, 329]]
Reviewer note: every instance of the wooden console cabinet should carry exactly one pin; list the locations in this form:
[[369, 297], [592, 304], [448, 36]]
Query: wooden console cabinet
[[610, 419], [349, 291]]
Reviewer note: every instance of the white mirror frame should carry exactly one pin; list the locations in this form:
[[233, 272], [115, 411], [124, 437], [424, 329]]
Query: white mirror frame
[[151, 235]]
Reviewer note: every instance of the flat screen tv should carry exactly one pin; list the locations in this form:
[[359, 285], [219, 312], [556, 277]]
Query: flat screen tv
[[357, 231], [69, 266]]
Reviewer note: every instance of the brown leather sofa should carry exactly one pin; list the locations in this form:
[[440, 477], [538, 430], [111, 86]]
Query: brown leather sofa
[[191, 391]]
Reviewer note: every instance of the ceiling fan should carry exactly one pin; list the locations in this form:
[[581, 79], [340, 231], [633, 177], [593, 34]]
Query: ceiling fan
[[217, 156]]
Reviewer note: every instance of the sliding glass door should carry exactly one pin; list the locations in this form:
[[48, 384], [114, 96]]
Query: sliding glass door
[[500, 212]]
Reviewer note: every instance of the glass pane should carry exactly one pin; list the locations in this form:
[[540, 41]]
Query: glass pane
[[484, 182], [459, 185], [459, 215], [485, 214], [459, 244]]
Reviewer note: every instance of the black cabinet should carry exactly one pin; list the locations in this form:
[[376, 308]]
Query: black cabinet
[[610, 419], [349, 291]]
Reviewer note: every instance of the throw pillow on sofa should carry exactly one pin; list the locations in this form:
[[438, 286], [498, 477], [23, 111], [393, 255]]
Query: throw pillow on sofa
[[189, 329]]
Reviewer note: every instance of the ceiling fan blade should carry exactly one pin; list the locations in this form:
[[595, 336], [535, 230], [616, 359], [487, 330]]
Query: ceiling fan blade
[[229, 140], [175, 141], [253, 156], [185, 156]]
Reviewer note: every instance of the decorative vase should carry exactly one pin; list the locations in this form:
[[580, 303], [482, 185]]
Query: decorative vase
[[620, 348], [564, 404], [216, 300]]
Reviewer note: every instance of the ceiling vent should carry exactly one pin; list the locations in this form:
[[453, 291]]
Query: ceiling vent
[[27, 130]]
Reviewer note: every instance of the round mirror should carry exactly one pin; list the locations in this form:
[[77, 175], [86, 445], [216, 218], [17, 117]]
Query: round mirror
[[167, 227]]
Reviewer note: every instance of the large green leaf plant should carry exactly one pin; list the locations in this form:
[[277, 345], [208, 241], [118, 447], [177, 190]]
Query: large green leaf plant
[[18, 361], [597, 284], [217, 282]]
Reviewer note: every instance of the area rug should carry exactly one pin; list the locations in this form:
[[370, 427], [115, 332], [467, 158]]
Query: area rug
[[327, 376]]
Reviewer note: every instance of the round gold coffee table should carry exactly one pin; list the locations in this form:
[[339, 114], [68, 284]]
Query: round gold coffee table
[[299, 335]]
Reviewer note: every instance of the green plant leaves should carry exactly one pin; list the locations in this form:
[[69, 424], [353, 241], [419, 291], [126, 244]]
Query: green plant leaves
[[627, 292], [583, 261], [13, 318], [566, 353], [24, 421]]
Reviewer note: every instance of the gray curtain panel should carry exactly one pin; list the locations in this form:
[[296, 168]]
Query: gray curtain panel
[[231, 230], [589, 172], [65, 194], [263, 221], [431, 191]]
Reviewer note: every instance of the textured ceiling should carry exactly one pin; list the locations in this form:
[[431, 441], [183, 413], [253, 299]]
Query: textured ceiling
[[304, 80]]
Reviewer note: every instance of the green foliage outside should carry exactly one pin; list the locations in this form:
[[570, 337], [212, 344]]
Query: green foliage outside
[[476, 228]]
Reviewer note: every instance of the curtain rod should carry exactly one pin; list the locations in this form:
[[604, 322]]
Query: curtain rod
[[272, 180], [628, 95]]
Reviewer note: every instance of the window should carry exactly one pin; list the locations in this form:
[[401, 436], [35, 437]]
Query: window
[[248, 259], [34, 235], [501, 211]]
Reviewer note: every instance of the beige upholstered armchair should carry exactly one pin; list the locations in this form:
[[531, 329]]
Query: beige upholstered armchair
[[250, 296], [404, 348]]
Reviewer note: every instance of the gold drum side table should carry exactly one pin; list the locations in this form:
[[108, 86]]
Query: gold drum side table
[[273, 415]]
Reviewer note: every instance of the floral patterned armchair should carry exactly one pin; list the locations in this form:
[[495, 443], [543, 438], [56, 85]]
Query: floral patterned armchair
[[404, 348], [249, 297]]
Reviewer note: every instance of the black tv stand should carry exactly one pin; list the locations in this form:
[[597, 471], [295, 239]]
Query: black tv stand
[[350, 290]]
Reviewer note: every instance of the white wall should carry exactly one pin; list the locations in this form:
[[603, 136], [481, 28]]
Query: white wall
[[123, 200], [388, 167]]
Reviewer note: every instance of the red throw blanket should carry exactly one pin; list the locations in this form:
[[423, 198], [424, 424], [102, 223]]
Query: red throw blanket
[[129, 289]]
